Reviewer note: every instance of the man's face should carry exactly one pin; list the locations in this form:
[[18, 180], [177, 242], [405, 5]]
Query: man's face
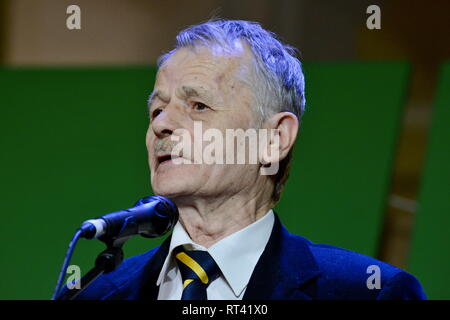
[[201, 86]]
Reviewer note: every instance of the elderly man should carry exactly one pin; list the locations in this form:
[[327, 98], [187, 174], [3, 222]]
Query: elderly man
[[228, 242]]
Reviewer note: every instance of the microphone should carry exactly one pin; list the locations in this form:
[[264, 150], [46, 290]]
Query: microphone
[[150, 217]]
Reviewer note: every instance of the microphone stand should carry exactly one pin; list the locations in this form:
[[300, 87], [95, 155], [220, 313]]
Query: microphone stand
[[107, 261]]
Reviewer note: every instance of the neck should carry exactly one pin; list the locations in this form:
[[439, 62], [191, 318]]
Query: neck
[[209, 220]]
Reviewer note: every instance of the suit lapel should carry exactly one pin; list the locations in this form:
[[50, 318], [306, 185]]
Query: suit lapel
[[284, 269], [149, 290]]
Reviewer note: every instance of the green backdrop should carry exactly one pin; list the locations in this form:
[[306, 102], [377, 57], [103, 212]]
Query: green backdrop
[[430, 250], [339, 181], [73, 147]]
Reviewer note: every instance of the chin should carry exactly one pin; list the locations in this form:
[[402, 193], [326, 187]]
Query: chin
[[173, 183]]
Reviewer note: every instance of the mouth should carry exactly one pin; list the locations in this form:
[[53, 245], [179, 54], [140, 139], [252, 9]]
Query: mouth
[[164, 159]]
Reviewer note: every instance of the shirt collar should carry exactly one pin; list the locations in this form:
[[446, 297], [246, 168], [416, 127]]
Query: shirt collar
[[236, 255]]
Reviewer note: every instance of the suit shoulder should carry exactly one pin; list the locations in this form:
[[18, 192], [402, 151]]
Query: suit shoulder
[[345, 274], [333, 258]]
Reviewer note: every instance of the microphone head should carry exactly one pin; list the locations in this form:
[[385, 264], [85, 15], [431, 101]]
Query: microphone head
[[164, 218]]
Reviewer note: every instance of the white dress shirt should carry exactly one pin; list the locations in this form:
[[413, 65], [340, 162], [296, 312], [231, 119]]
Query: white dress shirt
[[236, 255]]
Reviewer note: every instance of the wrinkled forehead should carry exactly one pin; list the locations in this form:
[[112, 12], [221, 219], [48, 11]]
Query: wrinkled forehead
[[212, 62]]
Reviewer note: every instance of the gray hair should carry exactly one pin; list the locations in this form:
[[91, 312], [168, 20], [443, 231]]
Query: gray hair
[[280, 83]]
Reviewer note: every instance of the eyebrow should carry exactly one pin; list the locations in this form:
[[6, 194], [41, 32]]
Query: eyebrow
[[185, 92], [156, 94], [199, 92]]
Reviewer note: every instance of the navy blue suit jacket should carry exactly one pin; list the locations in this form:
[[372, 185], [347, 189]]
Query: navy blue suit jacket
[[291, 267]]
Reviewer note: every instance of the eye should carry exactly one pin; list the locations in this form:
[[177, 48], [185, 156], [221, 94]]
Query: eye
[[200, 106], [156, 112]]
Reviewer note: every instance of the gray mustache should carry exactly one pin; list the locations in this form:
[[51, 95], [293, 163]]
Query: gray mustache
[[164, 146]]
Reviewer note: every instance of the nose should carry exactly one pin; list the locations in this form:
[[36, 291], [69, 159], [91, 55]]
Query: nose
[[167, 121]]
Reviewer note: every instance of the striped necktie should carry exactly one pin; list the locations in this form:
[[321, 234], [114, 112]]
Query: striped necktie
[[198, 269]]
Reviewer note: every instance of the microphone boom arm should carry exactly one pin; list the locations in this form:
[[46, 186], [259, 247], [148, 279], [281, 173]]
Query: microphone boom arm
[[106, 261]]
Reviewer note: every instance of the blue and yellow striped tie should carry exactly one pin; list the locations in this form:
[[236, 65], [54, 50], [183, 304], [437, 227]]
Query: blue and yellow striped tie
[[198, 269]]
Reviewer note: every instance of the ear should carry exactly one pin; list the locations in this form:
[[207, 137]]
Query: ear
[[285, 125]]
